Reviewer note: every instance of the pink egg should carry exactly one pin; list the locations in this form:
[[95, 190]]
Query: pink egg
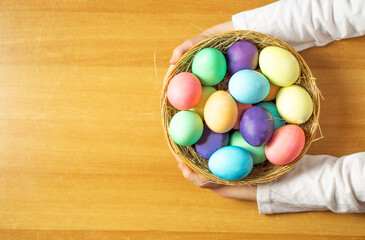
[[184, 91], [241, 107], [285, 145]]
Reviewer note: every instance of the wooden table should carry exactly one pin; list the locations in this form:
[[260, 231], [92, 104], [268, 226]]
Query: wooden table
[[82, 152]]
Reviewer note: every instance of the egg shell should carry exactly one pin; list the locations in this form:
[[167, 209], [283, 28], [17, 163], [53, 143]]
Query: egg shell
[[241, 108], [274, 89], [210, 142], [231, 163], [285, 145], [248, 86], [257, 126], [242, 55], [184, 91], [210, 66], [220, 112], [199, 108], [186, 128], [294, 104], [279, 66], [257, 153], [271, 107]]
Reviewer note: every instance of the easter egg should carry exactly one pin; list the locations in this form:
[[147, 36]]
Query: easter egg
[[257, 153], [220, 112], [274, 89], [199, 108], [184, 91], [256, 126], [186, 128], [241, 108], [279, 66], [294, 104], [210, 142], [231, 163], [271, 107], [242, 55], [210, 66], [248, 86], [285, 145]]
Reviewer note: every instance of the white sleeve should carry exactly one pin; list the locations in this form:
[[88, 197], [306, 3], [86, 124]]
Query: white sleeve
[[306, 23], [317, 183]]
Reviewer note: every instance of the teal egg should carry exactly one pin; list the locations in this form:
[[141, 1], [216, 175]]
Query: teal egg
[[186, 128], [230, 163], [257, 153], [271, 107], [210, 66]]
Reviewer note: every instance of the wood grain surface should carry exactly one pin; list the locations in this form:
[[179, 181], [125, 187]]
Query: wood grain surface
[[82, 151]]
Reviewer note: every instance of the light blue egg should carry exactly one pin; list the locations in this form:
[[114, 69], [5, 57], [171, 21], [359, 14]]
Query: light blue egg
[[271, 107], [231, 163], [248, 86]]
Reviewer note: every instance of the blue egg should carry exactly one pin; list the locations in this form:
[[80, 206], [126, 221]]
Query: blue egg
[[231, 163], [248, 86], [271, 107]]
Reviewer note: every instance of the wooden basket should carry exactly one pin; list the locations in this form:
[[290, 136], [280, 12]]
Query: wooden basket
[[265, 171]]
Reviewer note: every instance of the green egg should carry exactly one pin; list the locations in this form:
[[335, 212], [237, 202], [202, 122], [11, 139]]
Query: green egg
[[271, 107], [186, 128], [257, 153], [210, 66]]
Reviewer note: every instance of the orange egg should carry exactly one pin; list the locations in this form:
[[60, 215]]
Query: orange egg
[[220, 112], [274, 89], [285, 145]]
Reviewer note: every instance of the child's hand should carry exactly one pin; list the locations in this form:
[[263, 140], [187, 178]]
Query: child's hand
[[183, 48], [235, 192]]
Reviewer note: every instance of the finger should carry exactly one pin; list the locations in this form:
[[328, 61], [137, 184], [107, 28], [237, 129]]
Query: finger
[[191, 175], [177, 53], [210, 185], [180, 50], [197, 179]]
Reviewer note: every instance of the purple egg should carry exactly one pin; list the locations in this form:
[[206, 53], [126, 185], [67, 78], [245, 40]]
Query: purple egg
[[242, 55], [256, 126], [210, 142]]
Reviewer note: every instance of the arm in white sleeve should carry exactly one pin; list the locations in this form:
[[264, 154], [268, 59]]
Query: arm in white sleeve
[[317, 183], [306, 23]]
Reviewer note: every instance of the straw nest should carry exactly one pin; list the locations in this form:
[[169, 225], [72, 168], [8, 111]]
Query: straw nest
[[262, 172]]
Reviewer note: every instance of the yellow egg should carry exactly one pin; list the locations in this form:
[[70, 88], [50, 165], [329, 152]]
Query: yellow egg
[[294, 104], [199, 108], [220, 112], [279, 66]]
